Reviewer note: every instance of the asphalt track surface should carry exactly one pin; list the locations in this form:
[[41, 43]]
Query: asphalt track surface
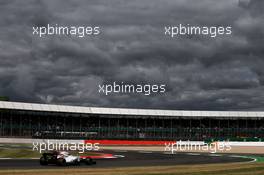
[[132, 159]]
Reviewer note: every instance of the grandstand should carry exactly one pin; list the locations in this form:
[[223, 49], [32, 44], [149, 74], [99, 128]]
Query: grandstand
[[31, 120]]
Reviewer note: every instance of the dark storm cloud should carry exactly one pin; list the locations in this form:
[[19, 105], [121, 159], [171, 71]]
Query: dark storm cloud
[[223, 73]]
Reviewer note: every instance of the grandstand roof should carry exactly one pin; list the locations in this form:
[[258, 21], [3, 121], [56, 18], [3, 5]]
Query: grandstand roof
[[125, 111]]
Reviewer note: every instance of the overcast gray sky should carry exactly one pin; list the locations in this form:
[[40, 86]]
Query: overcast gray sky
[[201, 73]]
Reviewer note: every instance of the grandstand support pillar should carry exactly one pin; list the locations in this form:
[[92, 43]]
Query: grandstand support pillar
[[171, 128], [210, 127], [136, 130], [118, 128], [11, 125], [127, 127], [20, 125], [48, 124], [200, 129], [237, 127], [64, 124], [99, 126], [228, 126], [38, 123], [72, 124], [246, 123], [179, 129], [1, 123], [80, 129], [145, 129], [162, 132], [154, 135], [30, 123], [56, 124], [190, 131], [218, 131], [108, 128], [255, 128]]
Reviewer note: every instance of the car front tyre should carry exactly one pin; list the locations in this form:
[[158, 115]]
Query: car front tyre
[[89, 161], [61, 162], [76, 162]]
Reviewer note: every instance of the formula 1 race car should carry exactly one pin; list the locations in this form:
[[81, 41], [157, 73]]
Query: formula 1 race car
[[63, 158]]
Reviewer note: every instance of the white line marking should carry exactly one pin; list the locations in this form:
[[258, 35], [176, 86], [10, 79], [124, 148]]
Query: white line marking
[[254, 160], [119, 156], [194, 154], [215, 155], [236, 156], [169, 153]]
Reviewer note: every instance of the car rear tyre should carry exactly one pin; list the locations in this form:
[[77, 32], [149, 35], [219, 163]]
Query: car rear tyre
[[43, 161]]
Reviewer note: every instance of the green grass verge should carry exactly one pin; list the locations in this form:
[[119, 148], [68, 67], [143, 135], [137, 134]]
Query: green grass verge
[[242, 171], [18, 153], [207, 169]]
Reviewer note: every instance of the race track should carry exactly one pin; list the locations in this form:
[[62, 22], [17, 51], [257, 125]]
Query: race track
[[135, 158]]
